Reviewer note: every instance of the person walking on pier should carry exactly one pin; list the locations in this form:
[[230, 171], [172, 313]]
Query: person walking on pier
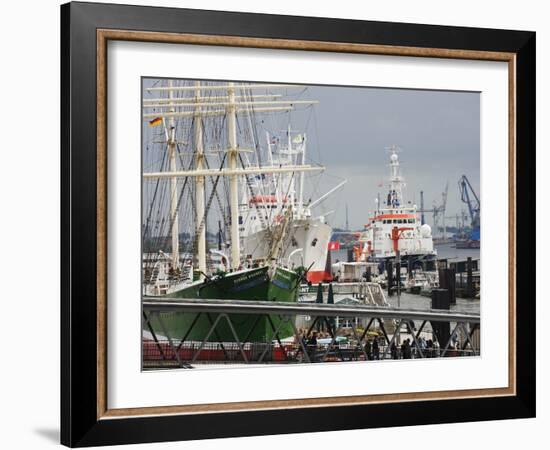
[[406, 349], [422, 343], [376, 349], [409, 349], [430, 348], [368, 350], [312, 346], [393, 351]]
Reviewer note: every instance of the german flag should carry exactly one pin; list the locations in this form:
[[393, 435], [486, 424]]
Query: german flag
[[156, 121]]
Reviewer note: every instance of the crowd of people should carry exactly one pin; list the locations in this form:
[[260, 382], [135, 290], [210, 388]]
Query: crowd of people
[[374, 347]]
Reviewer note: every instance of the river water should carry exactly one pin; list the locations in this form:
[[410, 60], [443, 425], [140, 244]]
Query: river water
[[447, 251], [413, 301]]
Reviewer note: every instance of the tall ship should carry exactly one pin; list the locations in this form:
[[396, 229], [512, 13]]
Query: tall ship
[[395, 228], [203, 163]]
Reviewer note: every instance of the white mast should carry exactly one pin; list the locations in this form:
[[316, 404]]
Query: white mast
[[291, 178], [173, 184], [396, 181], [199, 187], [233, 179], [301, 193]]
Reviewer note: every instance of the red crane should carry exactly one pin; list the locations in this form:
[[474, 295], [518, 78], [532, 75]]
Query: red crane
[[396, 233]]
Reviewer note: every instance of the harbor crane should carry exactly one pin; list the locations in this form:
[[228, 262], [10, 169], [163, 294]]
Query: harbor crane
[[460, 221], [438, 211], [469, 196]]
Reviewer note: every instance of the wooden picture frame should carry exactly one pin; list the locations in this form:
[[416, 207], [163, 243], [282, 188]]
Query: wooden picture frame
[[85, 416]]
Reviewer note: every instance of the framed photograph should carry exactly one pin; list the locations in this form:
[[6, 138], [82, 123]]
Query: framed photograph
[[273, 224]]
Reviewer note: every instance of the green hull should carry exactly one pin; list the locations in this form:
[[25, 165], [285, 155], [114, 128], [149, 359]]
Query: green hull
[[253, 284]]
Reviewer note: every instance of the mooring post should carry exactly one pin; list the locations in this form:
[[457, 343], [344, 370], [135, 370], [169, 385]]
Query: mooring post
[[389, 272], [451, 284], [447, 280], [442, 276], [469, 278], [442, 330], [398, 276], [319, 300]]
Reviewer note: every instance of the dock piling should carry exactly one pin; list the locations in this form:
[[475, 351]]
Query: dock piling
[[441, 300], [469, 278]]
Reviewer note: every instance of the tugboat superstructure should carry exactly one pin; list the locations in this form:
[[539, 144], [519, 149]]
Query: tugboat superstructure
[[395, 227]]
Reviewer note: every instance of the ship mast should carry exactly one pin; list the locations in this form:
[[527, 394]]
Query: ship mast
[[173, 183], [233, 179], [302, 174], [199, 187], [396, 180], [291, 190]]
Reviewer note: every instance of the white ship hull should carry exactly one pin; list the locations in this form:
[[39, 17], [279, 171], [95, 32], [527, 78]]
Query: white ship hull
[[306, 244]]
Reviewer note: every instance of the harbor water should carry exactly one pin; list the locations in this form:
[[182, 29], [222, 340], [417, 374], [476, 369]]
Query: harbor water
[[450, 252], [413, 301]]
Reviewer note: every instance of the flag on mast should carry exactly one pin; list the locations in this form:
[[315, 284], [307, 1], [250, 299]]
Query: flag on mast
[[156, 121]]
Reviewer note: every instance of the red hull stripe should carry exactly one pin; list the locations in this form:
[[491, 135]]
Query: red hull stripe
[[318, 276]]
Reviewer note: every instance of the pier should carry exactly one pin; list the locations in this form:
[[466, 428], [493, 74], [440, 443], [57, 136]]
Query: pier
[[350, 340]]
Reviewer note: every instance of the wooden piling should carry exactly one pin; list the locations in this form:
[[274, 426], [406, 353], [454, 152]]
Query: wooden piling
[[389, 276], [469, 278], [441, 330]]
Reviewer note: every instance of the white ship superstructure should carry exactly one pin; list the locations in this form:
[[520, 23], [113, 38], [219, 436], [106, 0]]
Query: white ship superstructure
[[395, 227], [268, 199]]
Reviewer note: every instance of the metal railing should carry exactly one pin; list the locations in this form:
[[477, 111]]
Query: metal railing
[[450, 333]]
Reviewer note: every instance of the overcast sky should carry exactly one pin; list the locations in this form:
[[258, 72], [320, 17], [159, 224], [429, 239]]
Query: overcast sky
[[438, 132], [348, 132]]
